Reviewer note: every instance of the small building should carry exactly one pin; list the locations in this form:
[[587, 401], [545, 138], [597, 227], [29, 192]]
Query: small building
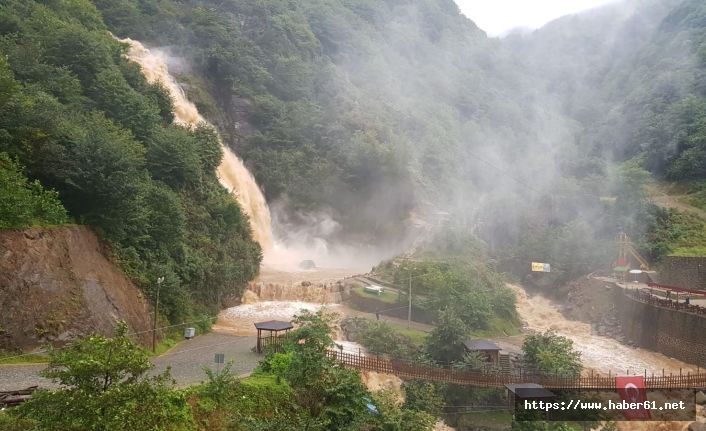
[[271, 330], [517, 393], [490, 350]]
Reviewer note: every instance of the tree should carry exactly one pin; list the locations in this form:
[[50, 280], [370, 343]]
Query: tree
[[24, 203], [395, 417], [423, 396], [552, 353], [104, 388], [380, 338], [333, 396], [445, 343]]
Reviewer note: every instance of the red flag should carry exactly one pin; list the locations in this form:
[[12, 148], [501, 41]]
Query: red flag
[[632, 390]]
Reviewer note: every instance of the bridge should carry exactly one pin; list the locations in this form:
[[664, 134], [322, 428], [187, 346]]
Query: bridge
[[409, 370]]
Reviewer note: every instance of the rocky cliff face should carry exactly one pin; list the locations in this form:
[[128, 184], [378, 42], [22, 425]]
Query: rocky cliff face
[[57, 284]]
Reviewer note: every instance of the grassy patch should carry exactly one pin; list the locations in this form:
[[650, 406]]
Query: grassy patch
[[491, 419], [386, 296], [166, 344], [418, 337], [498, 327], [690, 234], [689, 251], [31, 358], [264, 381]]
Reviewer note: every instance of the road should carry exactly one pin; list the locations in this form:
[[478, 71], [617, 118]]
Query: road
[[662, 198], [186, 360]]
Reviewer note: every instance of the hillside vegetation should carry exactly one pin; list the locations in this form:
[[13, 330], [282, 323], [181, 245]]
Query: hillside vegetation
[[99, 146], [409, 111], [359, 119]]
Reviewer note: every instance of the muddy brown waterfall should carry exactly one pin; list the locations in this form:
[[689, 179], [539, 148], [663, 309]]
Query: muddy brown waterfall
[[232, 173]]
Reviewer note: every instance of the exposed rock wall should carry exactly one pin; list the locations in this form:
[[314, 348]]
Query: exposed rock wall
[[57, 284]]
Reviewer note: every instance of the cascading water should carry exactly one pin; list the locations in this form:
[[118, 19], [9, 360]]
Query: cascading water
[[600, 353], [232, 173]]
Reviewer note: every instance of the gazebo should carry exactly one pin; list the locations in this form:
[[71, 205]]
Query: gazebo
[[273, 328]]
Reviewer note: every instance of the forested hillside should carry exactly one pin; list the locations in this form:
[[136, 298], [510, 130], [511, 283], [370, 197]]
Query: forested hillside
[[632, 75], [100, 147], [367, 111], [374, 116], [635, 83]]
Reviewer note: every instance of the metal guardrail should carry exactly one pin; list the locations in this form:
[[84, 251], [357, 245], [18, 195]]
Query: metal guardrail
[[650, 299]]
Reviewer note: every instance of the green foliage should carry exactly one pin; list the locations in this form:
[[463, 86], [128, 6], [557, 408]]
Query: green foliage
[[332, 396], [552, 354], [9, 422], [452, 270], [103, 387], [393, 417], [445, 343], [219, 383], [83, 121], [423, 396], [25, 203], [380, 337], [474, 361], [676, 232]]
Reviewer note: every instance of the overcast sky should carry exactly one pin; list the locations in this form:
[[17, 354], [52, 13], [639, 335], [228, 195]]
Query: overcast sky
[[498, 16]]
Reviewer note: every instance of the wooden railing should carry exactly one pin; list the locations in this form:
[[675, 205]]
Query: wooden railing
[[471, 378], [272, 344]]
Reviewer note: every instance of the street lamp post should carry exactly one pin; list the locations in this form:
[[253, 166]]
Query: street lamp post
[[154, 319], [409, 309]]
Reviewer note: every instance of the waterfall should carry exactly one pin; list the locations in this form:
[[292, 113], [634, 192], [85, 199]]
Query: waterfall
[[232, 173]]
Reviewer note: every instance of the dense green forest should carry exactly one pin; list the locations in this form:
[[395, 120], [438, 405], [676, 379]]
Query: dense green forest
[[409, 111], [389, 117], [85, 139]]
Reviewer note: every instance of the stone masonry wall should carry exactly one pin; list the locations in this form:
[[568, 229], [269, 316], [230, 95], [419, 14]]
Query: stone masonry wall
[[683, 271], [677, 334]]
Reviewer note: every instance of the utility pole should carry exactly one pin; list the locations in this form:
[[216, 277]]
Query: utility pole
[[154, 319], [409, 310]]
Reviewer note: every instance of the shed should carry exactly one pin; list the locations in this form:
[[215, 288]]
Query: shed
[[272, 328], [489, 349], [518, 392]]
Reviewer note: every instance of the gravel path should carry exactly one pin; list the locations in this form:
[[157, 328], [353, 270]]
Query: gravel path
[[186, 360]]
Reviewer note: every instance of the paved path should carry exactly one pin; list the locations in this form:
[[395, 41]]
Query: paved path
[[186, 360]]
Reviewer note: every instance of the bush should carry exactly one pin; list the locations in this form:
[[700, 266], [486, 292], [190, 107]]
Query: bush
[[551, 353], [25, 203]]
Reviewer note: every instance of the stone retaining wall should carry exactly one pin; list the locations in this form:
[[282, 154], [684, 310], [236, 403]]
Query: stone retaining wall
[[683, 271], [677, 334]]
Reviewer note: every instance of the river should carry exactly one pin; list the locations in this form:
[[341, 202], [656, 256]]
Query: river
[[599, 353]]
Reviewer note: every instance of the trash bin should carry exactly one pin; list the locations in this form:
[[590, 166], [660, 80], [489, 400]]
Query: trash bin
[[189, 333]]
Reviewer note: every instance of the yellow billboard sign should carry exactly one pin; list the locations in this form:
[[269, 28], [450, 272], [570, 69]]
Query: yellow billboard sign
[[540, 267]]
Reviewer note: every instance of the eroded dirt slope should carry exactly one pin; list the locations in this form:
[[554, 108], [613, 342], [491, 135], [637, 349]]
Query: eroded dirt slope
[[56, 284]]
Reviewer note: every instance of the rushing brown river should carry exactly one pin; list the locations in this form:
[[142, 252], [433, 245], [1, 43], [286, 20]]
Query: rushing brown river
[[602, 354]]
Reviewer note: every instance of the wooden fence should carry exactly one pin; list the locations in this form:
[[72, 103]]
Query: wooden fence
[[490, 380]]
